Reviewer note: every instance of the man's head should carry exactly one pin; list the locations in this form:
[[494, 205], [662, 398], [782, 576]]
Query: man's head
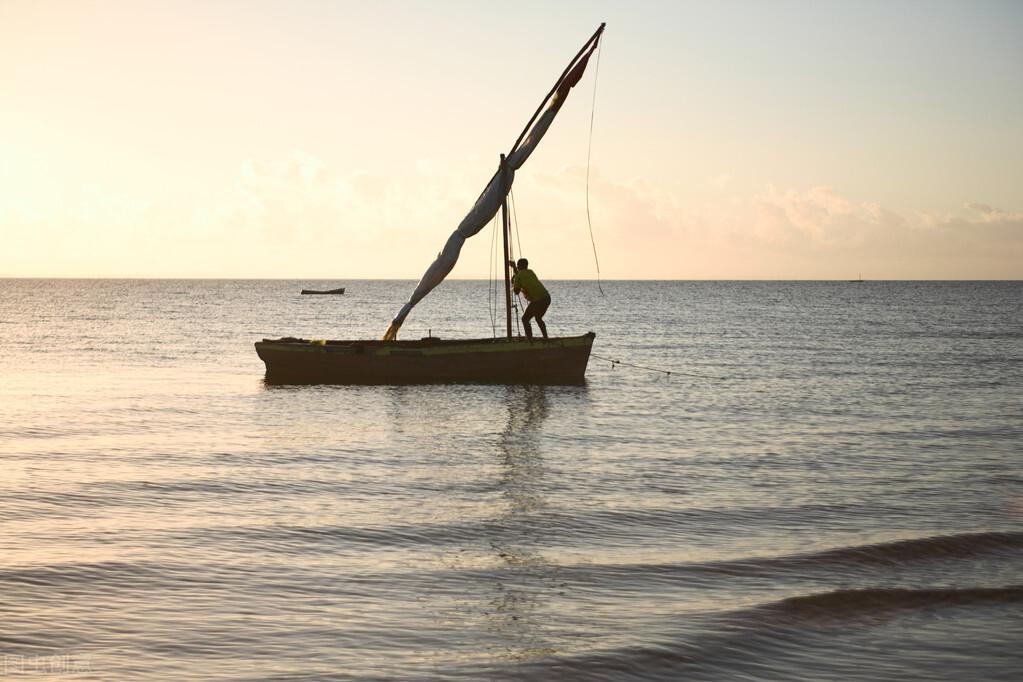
[[523, 264]]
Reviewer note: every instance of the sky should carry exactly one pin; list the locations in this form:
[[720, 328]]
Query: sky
[[346, 140]]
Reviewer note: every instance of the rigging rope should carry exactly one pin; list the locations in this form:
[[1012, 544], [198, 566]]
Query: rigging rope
[[666, 372], [515, 220], [492, 284], [589, 149], [517, 300]]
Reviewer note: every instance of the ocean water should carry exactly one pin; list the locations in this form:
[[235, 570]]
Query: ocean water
[[828, 486]]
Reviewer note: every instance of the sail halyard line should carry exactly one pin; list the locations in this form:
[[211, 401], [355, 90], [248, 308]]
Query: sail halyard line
[[591, 43], [495, 193]]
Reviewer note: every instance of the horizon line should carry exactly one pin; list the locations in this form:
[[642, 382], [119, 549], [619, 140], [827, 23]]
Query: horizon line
[[486, 279]]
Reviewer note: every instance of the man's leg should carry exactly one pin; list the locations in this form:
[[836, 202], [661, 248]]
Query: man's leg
[[525, 323], [540, 311]]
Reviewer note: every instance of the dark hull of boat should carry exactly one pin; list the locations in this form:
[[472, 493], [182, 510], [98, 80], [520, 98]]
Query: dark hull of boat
[[324, 293], [492, 361]]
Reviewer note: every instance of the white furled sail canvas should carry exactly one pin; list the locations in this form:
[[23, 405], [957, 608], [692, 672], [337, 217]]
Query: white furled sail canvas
[[497, 189]]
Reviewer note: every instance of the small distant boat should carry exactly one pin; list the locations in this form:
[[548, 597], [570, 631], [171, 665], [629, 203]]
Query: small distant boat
[[324, 293], [858, 281]]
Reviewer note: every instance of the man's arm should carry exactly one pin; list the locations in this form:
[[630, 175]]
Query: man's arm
[[515, 287]]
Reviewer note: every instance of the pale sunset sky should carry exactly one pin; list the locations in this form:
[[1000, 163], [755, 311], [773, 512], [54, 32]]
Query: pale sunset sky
[[344, 140]]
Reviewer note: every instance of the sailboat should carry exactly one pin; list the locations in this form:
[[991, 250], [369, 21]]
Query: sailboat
[[507, 359]]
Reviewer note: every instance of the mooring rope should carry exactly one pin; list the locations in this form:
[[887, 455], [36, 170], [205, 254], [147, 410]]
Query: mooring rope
[[666, 372]]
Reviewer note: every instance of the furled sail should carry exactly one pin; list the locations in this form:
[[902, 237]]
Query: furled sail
[[497, 189]]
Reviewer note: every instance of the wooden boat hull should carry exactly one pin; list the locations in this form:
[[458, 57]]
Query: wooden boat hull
[[324, 293], [513, 361]]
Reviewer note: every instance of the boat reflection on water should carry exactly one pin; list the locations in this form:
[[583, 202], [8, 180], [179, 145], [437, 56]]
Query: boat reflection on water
[[525, 582], [519, 447]]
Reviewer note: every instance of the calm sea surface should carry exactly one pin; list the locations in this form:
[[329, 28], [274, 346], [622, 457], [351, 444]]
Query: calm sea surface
[[829, 486]]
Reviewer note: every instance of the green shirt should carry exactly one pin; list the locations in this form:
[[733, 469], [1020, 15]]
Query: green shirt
[[527, 281]]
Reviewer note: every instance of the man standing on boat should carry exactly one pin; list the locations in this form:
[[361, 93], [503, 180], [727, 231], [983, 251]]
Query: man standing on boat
[[526, 281]]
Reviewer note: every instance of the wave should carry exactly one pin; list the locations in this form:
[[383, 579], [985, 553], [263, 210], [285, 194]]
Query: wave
[[976, 545], [880, 555], [898, 552], [871, 602], [84, 575], [762, 642], [498, 532]]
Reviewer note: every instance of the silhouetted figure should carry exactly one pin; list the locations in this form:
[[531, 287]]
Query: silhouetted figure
[[526, 281]]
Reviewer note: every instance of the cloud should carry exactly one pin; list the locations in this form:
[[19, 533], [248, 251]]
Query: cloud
[[821, 224], [648, 230], [981, 208], [721, 181], [298, 217], [303, 217]]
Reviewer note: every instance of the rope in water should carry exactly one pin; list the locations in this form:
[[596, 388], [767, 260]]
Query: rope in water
[[666, 372]]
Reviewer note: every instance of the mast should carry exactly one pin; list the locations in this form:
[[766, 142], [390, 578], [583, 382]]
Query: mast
[[504, 239]]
